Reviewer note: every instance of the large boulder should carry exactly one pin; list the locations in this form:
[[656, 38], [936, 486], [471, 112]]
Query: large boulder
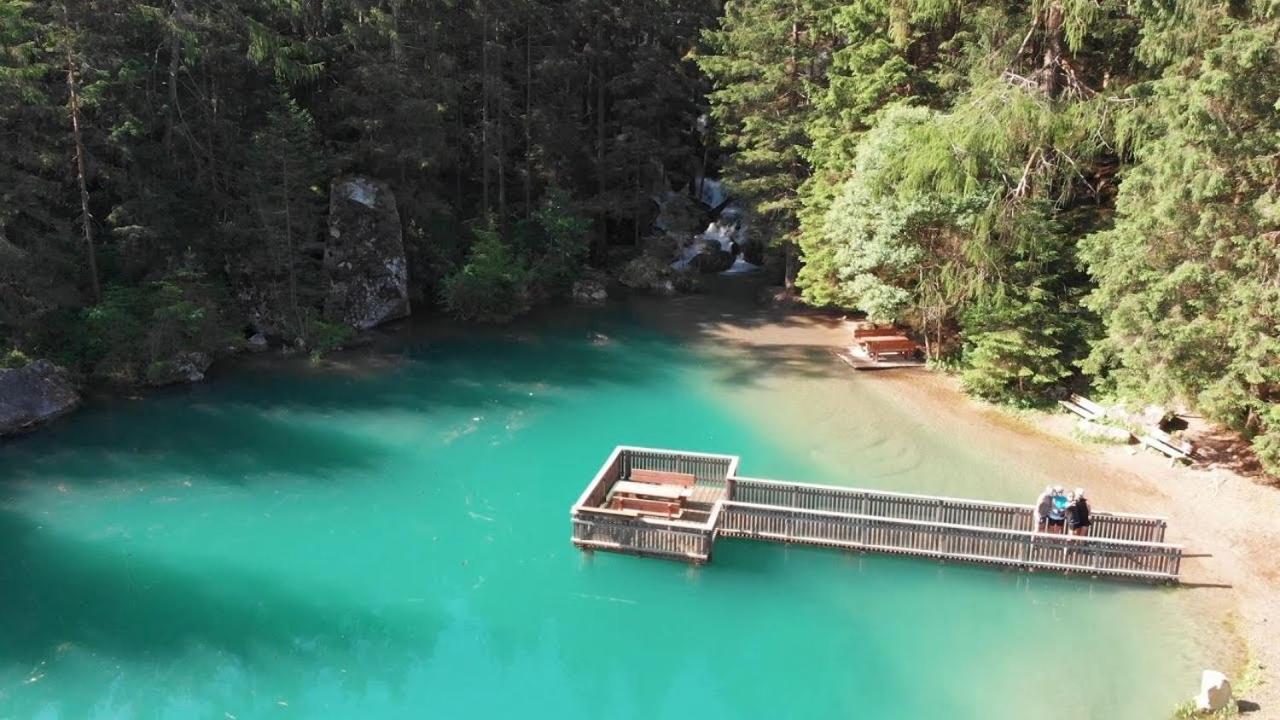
[[364, 256], [712, 261], [34, 394]]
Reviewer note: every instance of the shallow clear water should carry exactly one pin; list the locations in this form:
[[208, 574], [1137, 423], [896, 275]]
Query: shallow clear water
[[394, 542]]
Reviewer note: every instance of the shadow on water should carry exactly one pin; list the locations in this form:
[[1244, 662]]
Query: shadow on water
[[289, 418], [226, 443], [61, 594], [247, 424]]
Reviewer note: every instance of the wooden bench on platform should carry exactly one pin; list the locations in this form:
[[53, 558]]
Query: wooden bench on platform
[[882, 346], [646, 506], [660, 477], [869, 331]]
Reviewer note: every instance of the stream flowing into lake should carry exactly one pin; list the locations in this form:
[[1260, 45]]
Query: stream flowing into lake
[[391, 540]]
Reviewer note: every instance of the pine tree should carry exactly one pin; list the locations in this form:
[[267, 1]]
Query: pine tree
[[281, 190], [768, 60]]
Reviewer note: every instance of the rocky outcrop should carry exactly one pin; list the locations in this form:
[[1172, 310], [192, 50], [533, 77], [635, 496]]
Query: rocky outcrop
[[364, 257], [34, 394], [185, 367], [649, 274], [590, 290], [256, 343]]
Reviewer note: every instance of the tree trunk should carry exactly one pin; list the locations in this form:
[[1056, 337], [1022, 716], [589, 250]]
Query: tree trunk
[[500, 147], [639, 201], [788, 268], [601, 218], [86, 221], [175, 52], [288, 247], [484, 111], [1051, 66], [528, 118]]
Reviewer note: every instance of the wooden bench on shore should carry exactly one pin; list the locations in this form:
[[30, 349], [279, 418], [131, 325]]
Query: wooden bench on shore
[[1166, 444], [1084, 407]]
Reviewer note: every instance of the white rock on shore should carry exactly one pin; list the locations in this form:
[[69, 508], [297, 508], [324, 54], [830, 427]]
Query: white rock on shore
[[1215, 692]]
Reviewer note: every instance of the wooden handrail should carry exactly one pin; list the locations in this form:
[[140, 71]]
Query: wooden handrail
[[916, 496], [998, 533], [1085, 539]]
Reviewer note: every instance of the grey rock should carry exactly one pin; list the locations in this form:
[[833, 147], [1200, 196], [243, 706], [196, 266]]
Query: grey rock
[[712, 261], [364, 257], [1151, 415], [679, 213], [185, 367], [256, 343], [590, 291], [644, 273], [34, 394], [1102, 433]]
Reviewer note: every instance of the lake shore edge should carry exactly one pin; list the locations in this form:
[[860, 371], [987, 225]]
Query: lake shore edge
[[1230, 587]]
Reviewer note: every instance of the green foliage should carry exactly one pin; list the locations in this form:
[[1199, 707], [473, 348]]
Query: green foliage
[[1188, 709], [324, 337], [213, 130], [135, 330], [559, 245], [13, 358], [1013, 347], [492, 285], [768, 61], [1187, 277]]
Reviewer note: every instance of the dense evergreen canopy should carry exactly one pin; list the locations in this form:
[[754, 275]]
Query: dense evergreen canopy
[[172, 148], [1051, 192]]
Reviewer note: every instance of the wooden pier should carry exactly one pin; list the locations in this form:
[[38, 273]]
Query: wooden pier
[[719, 503]]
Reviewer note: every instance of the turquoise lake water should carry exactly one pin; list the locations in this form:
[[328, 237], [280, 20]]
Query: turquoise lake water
[[393, 542]]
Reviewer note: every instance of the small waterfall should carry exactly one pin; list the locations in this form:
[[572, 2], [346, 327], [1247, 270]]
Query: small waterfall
[[728, 231]]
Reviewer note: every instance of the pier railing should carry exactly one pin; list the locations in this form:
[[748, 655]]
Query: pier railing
[[595, 526], [711, 470], [1119, 545], [1014, 548], [609, 530], [956, 511]]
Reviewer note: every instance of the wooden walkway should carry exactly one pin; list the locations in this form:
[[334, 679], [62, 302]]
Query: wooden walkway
[[726, 505]]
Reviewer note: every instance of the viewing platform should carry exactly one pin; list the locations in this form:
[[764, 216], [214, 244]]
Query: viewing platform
[[670, 504]]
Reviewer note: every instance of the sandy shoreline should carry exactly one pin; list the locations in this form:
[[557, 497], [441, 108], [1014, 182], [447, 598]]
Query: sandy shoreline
[[1231, 580]]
